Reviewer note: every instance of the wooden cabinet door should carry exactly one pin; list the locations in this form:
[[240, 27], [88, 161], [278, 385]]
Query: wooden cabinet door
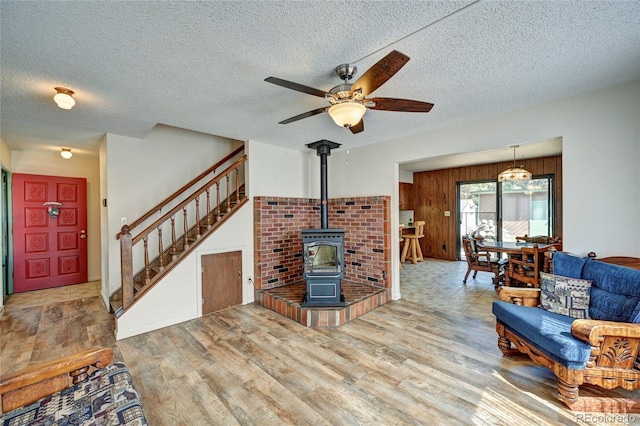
[[221, 281], [406, 196], [50, 250]]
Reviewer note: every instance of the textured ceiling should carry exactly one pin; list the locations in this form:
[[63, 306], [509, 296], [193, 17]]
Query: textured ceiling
[[201, 65]]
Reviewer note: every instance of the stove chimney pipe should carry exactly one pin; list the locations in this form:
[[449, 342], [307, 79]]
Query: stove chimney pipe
[[323, 149]]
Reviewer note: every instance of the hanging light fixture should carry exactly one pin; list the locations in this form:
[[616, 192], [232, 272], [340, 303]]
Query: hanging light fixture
[[66, 153], [347, 114], [64, 98], [514, 173]]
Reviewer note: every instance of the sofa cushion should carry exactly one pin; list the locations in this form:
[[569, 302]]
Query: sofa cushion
[[615, 292], [547, 331], [564, 295], [568, 265]]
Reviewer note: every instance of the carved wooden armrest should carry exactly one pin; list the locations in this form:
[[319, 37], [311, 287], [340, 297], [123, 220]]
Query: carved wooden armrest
[[520, 296], [485, 254], [614, 344], [32, 383]]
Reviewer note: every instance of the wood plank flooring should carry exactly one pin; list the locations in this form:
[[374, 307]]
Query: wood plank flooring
[[430, 358]]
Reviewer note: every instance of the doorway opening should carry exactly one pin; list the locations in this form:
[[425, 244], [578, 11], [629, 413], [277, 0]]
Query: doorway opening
[[503, 211]]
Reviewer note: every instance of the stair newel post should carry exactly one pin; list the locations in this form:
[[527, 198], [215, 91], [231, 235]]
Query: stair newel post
[[218, 200], [160, 249], [198, 233], [126, 266], [228, 199], [174, 253], [186, 228], [209, 208], [147, 274]]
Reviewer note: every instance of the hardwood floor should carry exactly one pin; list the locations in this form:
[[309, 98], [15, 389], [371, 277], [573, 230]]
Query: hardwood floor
[[430, 358]]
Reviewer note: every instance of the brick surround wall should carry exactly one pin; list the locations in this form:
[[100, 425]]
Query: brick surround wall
[[278, 242]]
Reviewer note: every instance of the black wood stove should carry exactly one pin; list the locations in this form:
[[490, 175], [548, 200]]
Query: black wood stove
[[323, 249]]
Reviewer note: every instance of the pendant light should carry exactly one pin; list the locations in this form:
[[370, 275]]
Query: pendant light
[[514, 173]]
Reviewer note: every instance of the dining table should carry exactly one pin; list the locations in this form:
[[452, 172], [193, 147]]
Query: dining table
[[508, 247], [511, 248]]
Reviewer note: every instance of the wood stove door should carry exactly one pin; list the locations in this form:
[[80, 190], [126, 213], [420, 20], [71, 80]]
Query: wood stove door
[[221, 281]]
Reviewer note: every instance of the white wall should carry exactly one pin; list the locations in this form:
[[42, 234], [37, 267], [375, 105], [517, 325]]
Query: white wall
[[80, 166], [140, 173], [278, 172], [600, 134]]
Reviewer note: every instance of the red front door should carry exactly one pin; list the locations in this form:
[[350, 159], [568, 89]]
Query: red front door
[[49, 239]]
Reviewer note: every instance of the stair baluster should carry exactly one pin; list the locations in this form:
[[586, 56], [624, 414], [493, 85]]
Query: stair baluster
[[228, 199], [237, 185], [160, 250], [198, 233], [218, 209], [208, 208], [186, 229], [147, 275], [174, 249]]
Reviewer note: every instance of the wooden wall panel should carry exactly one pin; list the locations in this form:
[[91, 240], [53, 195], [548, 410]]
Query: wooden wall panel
[[435, 193]]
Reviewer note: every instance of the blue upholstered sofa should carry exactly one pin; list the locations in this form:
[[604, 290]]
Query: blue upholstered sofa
[[601, 347]]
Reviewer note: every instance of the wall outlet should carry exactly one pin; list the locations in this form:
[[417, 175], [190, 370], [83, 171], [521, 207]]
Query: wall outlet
[[123, 221], [447, 213]]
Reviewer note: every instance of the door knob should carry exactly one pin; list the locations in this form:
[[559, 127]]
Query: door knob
[[83, 234]]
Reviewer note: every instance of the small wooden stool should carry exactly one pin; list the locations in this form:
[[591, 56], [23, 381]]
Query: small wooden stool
[[413, 241]]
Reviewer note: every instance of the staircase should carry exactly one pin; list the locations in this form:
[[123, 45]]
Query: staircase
[[188, 221]]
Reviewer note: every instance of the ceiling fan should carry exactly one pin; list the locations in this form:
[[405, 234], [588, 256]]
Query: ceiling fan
[[349, 102]]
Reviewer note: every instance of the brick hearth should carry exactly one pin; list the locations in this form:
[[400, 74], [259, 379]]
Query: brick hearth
[[359, 299]]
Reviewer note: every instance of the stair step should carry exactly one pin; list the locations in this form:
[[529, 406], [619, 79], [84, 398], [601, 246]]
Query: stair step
[[115, 305]]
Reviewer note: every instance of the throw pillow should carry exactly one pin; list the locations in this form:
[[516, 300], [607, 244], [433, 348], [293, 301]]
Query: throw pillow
[[564, 295]]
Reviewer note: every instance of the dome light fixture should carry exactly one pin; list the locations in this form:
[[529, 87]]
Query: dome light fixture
[[347, 114], [64, 98], [66, 153], [514, 173]]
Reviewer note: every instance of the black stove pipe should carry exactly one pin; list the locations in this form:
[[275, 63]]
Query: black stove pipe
[[323, 149]]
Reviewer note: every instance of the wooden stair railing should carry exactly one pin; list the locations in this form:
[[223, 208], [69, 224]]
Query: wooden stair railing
[[198, 221]]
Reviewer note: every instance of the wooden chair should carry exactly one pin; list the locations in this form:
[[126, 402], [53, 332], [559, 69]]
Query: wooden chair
[[540, 239], [523, 269], [413, 241], [481, 261]]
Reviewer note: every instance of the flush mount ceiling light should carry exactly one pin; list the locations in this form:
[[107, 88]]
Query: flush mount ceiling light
[[514, 173], [66, 153], [347, 114], [64, 98]]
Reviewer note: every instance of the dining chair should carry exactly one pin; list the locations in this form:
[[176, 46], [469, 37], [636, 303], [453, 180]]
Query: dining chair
[[481, 261], [523, 269]]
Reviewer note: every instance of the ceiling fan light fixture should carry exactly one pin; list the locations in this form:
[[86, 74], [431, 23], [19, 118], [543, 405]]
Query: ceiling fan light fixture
[[64, 98], [347, 114], [515, 173]]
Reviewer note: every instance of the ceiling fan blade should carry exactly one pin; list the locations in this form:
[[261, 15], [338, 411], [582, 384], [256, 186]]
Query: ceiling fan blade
[[403, 105], [295, 86], [358, 127], [382, 71], [304, 115]]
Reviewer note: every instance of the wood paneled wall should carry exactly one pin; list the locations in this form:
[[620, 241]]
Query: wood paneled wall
[[434, 193]]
